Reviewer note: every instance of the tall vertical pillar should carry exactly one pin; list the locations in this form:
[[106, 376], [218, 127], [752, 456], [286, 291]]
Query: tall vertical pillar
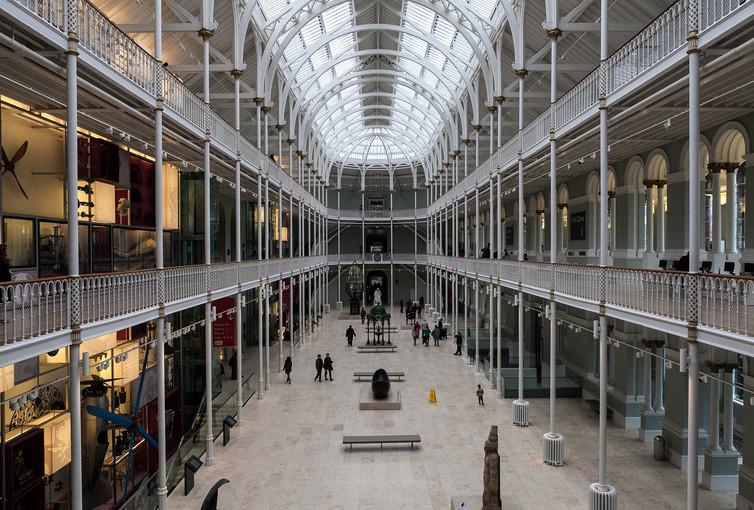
[[465, 333], [492, 292], [162, 489], [692, 481], [209, 457], [475, 285], [717, 210], [71, 170], [603, 495], [661, 188], [650, 191], [731, 241], [553, 442], [499, 346]]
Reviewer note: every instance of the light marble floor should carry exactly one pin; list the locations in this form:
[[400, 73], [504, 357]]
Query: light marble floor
[[288, 452]]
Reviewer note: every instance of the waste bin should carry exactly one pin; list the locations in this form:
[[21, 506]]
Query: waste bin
[[659, 448]]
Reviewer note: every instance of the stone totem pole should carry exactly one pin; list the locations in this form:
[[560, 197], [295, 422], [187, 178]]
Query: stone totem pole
[[491, 496]]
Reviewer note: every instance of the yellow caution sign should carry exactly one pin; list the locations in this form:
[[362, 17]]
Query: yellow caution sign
[[432, 396]]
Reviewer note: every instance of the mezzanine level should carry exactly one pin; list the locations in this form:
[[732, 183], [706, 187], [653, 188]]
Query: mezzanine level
[[397, 215], [650, 64], [723, 306], [118, 81], [35, 316]]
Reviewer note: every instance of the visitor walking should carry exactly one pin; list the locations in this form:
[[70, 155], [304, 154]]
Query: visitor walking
[[459, 344], [363, 315], [401, 303], [415, 332], [350, 334], [436, 335], [288, 368], [480, 394], [425, 334], [328, 367], [318, 365]]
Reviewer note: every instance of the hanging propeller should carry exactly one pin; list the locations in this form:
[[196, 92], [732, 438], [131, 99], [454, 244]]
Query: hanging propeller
[[9, 165], [129, 423]]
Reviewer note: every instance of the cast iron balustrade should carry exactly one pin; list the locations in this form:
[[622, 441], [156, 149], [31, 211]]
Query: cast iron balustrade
[[35, 308], [725, 303]]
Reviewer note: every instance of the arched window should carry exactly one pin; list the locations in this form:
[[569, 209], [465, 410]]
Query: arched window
[[657, 200], [563, 208], [727, 189], [637, 206]]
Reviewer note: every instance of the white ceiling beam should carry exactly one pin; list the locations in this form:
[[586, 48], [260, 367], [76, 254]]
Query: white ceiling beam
[[148, 28]]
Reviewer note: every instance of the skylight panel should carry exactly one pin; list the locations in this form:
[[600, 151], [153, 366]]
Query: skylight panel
[[462, 49], [345, 66], [325, 79], [430, 79], [333, 18], [444, 31], [318, 58], [294, 49], [311, 32], [419, 17], [410, 66], [342, 44], [436, 58], [272, 9], [414, 45], [313, 91], [484, 8]]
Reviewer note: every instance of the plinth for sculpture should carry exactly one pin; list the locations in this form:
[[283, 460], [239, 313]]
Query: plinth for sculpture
[[379, 397], [491, 496]]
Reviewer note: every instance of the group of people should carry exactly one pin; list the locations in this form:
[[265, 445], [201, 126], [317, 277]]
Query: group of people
[[325, 364]]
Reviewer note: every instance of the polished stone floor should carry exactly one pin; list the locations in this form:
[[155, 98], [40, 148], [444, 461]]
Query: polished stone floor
[[288, 452]]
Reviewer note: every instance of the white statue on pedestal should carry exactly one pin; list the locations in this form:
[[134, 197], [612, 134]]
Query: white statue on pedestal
[[378, 297]]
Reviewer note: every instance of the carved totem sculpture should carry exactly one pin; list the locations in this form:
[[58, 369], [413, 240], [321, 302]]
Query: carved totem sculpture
[[491, 496]]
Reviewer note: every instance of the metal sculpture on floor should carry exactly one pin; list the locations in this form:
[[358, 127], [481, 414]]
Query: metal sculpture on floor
[[355, 288], [380, 384], [377, 319], [491, 495], [210, 501]]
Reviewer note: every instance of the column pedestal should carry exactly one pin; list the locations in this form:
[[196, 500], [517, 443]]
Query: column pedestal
[[720, 470]]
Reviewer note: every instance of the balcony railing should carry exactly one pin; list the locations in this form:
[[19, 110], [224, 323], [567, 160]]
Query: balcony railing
[[34, 308], [662, 38], [724, 303]]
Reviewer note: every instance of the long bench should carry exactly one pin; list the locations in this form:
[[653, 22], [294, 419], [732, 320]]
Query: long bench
[[382, 440], [377, 348], [359, 376]]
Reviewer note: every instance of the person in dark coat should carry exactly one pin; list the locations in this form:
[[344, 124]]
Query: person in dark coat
[[459, 344], [401, 303], [288, 368], [363, 315], [5, 275], [318, 365], [436, 335], [328, 366], [350, 334], [233, 367]]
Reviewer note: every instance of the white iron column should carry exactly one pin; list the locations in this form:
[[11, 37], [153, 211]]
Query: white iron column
[[476, 222], [731, 243], [239, 256], [520, 406], [492, 215], [465, 333], [499, 291], [728, 418], [476, 323], [268, 291], [499, 219], [650, 187], [492, 291], [210, 457], [337, 234], [71, 167], [692, 480], [466, 225], [260, 311], [162, 489], [660, 217], [554, 448], [603, 346], [717, 210]]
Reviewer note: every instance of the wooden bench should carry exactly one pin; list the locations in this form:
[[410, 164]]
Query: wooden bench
[[368, 375], [382, 440], [377, 348]]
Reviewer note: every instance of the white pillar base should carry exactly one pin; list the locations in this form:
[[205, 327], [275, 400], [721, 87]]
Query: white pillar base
[[327, 307], [553, 449], [500, 385], [521, 413], [339, 305], [602, 497]]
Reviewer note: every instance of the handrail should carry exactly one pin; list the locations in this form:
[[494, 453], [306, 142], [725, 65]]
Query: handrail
[[725, 303], [33, 308]]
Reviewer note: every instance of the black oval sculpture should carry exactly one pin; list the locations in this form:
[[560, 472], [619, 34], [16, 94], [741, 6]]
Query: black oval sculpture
[[380, 384]]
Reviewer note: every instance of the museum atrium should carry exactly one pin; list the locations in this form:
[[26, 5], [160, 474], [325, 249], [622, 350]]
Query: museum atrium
[[524, 222]]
